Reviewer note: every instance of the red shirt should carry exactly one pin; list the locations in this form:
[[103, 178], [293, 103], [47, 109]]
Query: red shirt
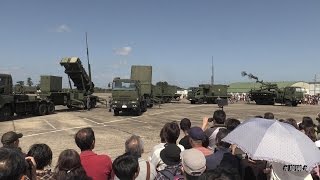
[[98, 167]]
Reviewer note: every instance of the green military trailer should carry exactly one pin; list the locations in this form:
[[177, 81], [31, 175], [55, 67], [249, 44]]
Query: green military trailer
[[165, 92], [207, 93], [20, 104]]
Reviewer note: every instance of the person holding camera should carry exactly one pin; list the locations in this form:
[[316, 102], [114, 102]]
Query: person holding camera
[[219, 118]]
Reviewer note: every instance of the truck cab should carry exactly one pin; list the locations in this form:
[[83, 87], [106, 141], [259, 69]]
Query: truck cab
[[127, 97]]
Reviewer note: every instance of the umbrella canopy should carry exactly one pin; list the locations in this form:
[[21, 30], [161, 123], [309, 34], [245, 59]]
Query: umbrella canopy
[[274, 141]]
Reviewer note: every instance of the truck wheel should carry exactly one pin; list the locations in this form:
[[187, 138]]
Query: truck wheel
[[93, 103], [288, 103], [50, 108], [42, 109], [116, 112], [138, 112], [144, 109], [192, 102], [5, 113]]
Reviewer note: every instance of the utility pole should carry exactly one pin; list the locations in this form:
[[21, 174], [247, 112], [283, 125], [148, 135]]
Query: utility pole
[[314, 85], [212, 72]]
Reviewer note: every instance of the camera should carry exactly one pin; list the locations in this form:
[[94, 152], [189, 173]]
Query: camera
[[210, 119]]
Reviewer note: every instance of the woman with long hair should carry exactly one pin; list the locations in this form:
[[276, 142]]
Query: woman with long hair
[[69, 166]]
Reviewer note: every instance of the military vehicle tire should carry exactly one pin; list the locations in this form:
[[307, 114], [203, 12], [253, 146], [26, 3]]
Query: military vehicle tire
[[294, 103], [93, 103], [116, 112], [5, 113], [144, 109], [138, 112], [42, 109], [50, 108], [288, 103]]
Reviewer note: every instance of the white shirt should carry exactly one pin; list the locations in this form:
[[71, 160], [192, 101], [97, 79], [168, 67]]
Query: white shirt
[[155, 158]]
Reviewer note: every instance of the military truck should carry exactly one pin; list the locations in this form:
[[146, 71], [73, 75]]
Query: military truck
[[270, 93], [20, 104], [80, 97], [207, 93], [165, 92], [134, 94], [127, 96]]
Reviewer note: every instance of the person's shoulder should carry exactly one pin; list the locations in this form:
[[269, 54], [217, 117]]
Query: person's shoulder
[[104, 157], [181, 147]]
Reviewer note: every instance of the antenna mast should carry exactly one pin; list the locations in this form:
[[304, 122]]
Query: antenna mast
[[89, 67], [212, 72]]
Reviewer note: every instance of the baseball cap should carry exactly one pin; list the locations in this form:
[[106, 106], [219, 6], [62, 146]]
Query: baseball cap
[[170, 155], [193, 162], [10, 137], [196, 133]]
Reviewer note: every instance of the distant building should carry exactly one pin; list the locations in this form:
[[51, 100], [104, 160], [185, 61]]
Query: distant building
[[314, 88]]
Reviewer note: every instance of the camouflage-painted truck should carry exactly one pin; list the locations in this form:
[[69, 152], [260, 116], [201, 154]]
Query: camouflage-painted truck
[[207, 93], [134, 94], [78, 97], [270, 93], [165, 92], [20, 104]]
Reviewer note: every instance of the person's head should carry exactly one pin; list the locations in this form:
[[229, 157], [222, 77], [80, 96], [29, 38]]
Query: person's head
[[12, 164], [170, 155], [193, 163], [223, 132], [219, 116], [42, 154], [171, 132], [307, 122], [85, 139], [134, 146], [69, 166], [292, 122], [231, 123], [11, 139], [268, 115], [222, 174], [311, 133], [126, 167], [196, 136], [206, 142], [185, 124]]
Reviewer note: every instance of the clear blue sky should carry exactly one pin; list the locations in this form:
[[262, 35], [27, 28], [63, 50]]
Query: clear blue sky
[[275, 40]]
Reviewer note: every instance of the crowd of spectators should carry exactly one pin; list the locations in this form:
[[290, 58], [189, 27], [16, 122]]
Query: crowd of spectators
[[200, 154]]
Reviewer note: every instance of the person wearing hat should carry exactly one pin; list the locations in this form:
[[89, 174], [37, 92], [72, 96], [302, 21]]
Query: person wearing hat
[[11, 139], [170, 155], [193, 163], [196, 138]]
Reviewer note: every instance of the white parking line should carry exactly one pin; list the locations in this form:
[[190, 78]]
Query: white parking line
[[50, 124], [91, 121], [102, 124]]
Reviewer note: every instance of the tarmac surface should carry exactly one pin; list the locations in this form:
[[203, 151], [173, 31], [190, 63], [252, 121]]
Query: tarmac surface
[[57, 130]]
